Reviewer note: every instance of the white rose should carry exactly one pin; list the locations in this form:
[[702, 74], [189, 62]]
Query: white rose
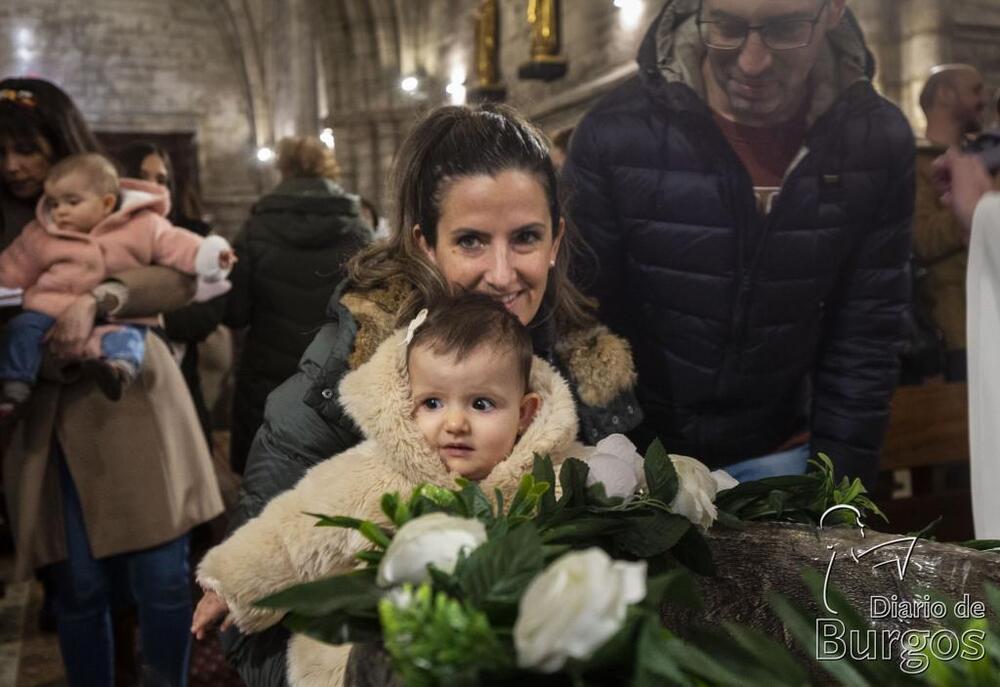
[[573, 607], [436, 538], [696, 490], [617, 465]]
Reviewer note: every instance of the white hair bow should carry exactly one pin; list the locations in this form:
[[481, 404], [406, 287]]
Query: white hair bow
[[414, 325]]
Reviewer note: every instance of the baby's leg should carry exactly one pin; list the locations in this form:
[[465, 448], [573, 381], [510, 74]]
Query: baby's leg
[[21, 356], [122, 353]]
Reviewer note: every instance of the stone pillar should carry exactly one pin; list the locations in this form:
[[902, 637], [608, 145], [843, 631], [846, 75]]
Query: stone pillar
[[924, 42], [293, 70]]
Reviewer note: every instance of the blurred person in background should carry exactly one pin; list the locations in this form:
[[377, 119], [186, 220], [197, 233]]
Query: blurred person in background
[[292, 251], [954, 102], [191, 326], [104, 516]]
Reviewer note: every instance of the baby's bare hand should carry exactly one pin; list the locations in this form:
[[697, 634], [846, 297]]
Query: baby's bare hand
[[211, 609]]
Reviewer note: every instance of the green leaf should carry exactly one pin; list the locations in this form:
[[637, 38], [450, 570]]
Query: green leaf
[[693, 552], [499, 570], [335, 521], [353, 592], [429, 498], [389, 503], [653, 658], [661, 477], [771, 654], [370, 557], [375, 534], [676, 586], [573, 480], [653, 534], [472, 503], [542, 470]]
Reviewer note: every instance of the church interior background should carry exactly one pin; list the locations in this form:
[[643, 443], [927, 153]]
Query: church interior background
[[219, 82]]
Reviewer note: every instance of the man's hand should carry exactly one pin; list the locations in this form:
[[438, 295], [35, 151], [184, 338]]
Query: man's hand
[[962, 181], [68, 337], [211, 609]]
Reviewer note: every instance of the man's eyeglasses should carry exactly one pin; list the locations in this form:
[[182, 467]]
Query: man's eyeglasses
[[784, 34]]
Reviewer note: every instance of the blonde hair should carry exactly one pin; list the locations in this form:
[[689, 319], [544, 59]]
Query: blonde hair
[[306, 157], [100, 173]]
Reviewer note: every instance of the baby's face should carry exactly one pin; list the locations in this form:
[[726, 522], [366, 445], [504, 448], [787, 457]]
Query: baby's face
[[74, 205], [469, 411]]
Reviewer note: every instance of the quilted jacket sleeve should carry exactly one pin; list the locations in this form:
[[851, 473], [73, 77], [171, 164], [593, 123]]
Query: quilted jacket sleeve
[[857, 367], [587, 179]]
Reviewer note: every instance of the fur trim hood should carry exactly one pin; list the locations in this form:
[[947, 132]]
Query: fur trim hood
[[599, 363], [672, 51], [377, 397]]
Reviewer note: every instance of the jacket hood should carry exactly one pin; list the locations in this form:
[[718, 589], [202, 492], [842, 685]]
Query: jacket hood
[[672, 51], [377, 397], [309, 213], [134, 196]]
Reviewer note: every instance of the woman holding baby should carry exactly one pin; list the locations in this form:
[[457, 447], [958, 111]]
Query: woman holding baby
[[477, 209], [101, 490]]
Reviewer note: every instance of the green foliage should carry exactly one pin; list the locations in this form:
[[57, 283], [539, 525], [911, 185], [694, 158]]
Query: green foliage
[[457, 628], [435, 640], [796, 498]]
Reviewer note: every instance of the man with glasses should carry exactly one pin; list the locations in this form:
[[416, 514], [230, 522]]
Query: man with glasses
[[749, 196]]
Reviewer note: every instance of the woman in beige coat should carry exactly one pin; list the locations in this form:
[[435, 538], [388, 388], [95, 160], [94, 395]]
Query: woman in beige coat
[[93, 485]]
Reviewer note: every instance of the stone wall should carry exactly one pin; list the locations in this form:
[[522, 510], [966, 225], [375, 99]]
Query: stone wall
[[239, 74], [144, 65]]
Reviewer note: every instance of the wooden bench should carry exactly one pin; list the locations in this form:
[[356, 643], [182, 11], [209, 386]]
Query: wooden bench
[[928, 436]]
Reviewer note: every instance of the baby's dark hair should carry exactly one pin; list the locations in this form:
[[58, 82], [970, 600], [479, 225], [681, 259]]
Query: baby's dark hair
[[460, 324]]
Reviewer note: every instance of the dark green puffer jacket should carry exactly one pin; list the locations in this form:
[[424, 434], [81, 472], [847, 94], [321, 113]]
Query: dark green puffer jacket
[[291, 256]]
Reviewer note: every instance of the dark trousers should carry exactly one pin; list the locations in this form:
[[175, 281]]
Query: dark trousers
[[157, 579]]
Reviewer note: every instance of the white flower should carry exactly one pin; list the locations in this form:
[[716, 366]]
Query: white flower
[[573, 607], [696, 490], [436, 538], [617, 465]]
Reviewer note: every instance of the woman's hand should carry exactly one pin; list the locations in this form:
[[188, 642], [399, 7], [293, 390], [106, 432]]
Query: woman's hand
[[68, 337], [211, 609]]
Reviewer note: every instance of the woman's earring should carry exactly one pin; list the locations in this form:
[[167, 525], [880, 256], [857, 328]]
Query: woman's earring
[[552, 263]]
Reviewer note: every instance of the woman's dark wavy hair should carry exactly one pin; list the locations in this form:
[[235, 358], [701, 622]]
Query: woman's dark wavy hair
[[51, 116], [131, 162], [449, 144]]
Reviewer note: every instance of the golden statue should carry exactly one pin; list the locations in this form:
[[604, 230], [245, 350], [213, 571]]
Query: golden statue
[[545, 64], [487, 84], [543, 16]]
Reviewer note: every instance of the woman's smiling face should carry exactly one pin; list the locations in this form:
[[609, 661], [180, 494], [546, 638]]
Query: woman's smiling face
[[495, 236]]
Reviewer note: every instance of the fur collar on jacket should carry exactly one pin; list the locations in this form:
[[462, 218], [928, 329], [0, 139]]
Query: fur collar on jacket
[[599, 363], [377, 397]]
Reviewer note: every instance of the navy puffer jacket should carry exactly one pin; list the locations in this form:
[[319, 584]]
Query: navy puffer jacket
[[748, 329]]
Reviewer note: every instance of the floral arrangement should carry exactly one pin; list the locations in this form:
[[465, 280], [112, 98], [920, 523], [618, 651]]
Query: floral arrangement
[[565, 586]]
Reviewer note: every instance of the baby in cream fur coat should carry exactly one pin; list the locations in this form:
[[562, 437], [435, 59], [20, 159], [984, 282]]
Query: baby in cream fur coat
[[457, 395]]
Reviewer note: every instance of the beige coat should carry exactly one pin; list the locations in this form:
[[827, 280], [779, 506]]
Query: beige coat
[[140, 465], [281, 547]]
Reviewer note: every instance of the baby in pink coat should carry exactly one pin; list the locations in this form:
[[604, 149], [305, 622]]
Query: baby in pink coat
[[89, 226]]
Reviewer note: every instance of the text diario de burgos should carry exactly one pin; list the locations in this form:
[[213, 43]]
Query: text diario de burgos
[[913, 647]]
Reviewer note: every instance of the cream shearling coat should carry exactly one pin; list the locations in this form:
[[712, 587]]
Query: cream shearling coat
[[281, 547]]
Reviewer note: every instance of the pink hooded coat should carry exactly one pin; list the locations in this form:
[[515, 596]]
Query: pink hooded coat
[[55, 266]]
